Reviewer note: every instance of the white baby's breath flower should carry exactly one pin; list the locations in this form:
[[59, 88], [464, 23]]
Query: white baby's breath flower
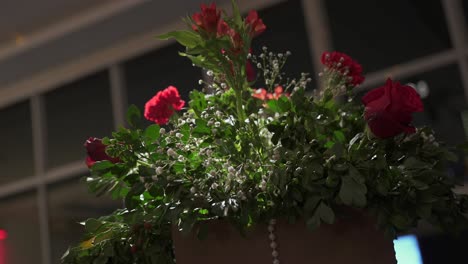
[[159, 170], [171, 152]]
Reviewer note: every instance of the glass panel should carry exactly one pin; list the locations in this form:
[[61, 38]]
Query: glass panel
[[281, 36], [383, 33], [154, 71], [441, 248], [16, 159], [20, 222], [71, 203], [74, 112]]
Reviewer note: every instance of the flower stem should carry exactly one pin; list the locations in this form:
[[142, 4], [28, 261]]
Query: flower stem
[[239, 108]]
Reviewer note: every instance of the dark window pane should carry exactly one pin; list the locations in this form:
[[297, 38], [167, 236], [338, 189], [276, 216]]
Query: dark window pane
[[156, 70], [16, 159], [383, 33], [71, 203], [74, 112], [19, 218], [286, 31]]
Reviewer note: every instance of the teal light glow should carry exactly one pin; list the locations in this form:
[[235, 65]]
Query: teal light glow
[[407, 250]]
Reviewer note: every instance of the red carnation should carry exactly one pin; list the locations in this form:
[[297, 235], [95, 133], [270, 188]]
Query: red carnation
[[262, 94], [162, 106], [96, 151], [345, 65], [255, 24], [207, 19], [389, 109]]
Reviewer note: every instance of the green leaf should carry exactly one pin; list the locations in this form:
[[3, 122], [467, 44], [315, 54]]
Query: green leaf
[[92, 225], [200, 61], [236, 13], [186, 38], [197, 101], [313, 222], [201, 128], [339, 136], [326, 213], [133, 116], [132, 200], [152, 133], [311, 203], [102, 165], [352, 192]]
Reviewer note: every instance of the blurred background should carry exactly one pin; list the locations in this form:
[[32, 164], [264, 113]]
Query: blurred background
[[69, 69]]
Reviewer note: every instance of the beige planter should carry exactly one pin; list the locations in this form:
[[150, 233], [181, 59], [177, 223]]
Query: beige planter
[[343, 242]]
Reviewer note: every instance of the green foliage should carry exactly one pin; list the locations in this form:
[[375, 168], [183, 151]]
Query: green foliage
[[247, 160]]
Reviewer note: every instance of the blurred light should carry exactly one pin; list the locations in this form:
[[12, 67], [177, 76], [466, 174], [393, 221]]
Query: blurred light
[[407, 250], [3, 234], [19, 39], [421, 87]]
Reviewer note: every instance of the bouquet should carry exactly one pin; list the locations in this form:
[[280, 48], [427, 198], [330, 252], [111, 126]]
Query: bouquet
[[255, 145]]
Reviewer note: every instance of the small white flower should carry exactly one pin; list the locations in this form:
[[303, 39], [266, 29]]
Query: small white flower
[[162, 131], [181, 158], [209, 73], [209, 152], [217, 124], [159, 170], [231, 169], [214, 185], [263, 185], [193, 190], [171, 152], [179, 135], [154, 177]]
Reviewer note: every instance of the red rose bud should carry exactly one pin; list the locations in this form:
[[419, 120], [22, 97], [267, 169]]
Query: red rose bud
[[250, 72], [161, 107], [389, 109], [147, 226], [236, 41], [345, 65], [134, 249], [96, 151], [222, 28], [255, 24], [207, 19]]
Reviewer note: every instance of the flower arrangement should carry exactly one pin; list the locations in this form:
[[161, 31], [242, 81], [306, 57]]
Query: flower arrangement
[[255, 145]]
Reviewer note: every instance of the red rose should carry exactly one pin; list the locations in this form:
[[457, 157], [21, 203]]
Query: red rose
[[389, 108], [97, 152], [208, 19], [255, 24], [162, 106], [345, 65]]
